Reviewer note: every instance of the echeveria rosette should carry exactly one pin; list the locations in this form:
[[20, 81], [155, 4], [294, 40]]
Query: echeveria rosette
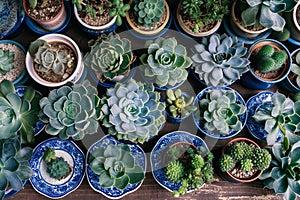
[[132, 111], [14, 165], [116, 166], [166, 62], [6, 61], [71, 111], [220, 60], [110, 56]]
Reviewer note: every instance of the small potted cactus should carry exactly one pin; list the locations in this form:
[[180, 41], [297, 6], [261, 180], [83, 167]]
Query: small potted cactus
[[242, 160], [219, 60], [221, 113], [166, 63], [110, 59], [132, 111], [178, 105]]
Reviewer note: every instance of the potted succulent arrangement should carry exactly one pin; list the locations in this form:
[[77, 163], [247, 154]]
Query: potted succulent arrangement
[[53, 60], [166, 63], [221, 113], [242, 160], [270, 63], [219, 60], [178, 105], [200, 18], [148, 19], [132, 111], [110, 58]]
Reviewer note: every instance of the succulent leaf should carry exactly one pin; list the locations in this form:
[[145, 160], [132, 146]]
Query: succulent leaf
[[6, 61]]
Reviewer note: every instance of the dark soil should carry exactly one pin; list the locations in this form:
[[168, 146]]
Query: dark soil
[[45, 11]]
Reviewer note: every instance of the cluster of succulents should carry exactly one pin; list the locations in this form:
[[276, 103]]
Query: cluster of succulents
[[220, 60], [71, 111], [148, 12], [110, 56], [166, 62], [281, 114], [178, 104], [132, 111], [296, 68], [220, 111], [192, 171], [116, 166], [6, 61]]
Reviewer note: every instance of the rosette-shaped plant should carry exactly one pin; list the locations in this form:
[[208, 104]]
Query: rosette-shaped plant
[[296, 68], [166, 62], [110, 56], [71, 111], [14, 167], [220, 60], [132, 111], [116, 166], [6, 61]]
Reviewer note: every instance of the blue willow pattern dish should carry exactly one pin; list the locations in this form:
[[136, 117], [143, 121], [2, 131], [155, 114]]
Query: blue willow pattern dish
[[157, 154], [52, 190], [256, 128], [93, 179]]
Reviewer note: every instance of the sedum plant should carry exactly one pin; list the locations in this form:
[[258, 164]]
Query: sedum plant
[[148, 12], [110, 56], [296, 68], [116, 166], [281, 114], [14, 168], [220, 112], [179, 105], [220, 60], [132, 111], [6, 61], [16, 113], [166, 62], [71, 111]]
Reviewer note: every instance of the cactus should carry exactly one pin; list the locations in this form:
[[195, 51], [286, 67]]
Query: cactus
[[236, 150], [296, 68], [226, 163], [6, 61], [246, 165], [281, 35], [58, 168], [174, 171], [261, 158]]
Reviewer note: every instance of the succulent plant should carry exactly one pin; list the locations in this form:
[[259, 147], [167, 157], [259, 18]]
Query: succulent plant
[[220, 60], [118, 8], [283, 174], [237, 150], [58, 168], [281, 114], [246, 165], [177, 103], [220, 112], [282, 36], [132, 111], [166, 62], [6, 61], [148, 12], [110, 56], [71, 111], [14, 166], [116, 166], [174, 171], [16, 113], [49, 155], [226, 163], [296, 68], [33, 3], [261, 158]]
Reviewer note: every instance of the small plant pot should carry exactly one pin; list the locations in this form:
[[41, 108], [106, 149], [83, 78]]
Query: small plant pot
[[291, 22], [252, 80]]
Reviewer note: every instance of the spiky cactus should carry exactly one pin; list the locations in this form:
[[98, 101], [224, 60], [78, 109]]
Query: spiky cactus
[[246, 165], [174, 171], [6, 61], [261, 158], [226, 163], [236, 150]]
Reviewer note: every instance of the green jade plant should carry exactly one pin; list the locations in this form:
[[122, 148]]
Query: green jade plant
[[132, 111], [116, 166], [296, 68], [6, 61], [110, 56], [220, 60], [166, 62], [71, 111]]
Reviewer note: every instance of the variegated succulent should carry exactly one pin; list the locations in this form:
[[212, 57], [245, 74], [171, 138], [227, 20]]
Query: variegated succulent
[[166, 62], [132, 111], [6, 61], [220, 60], [71, 111]]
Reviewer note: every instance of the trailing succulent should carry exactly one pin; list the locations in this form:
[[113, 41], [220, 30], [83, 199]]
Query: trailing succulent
[[16, 113], [116, 166], [148, 12], [220, 60], [71, 111], [220, 112], [6, 61], [296, 68], [110, 56], [166, 62], [281, 114], [14, 168], [283, 174], [132, 111], [179, 105]]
